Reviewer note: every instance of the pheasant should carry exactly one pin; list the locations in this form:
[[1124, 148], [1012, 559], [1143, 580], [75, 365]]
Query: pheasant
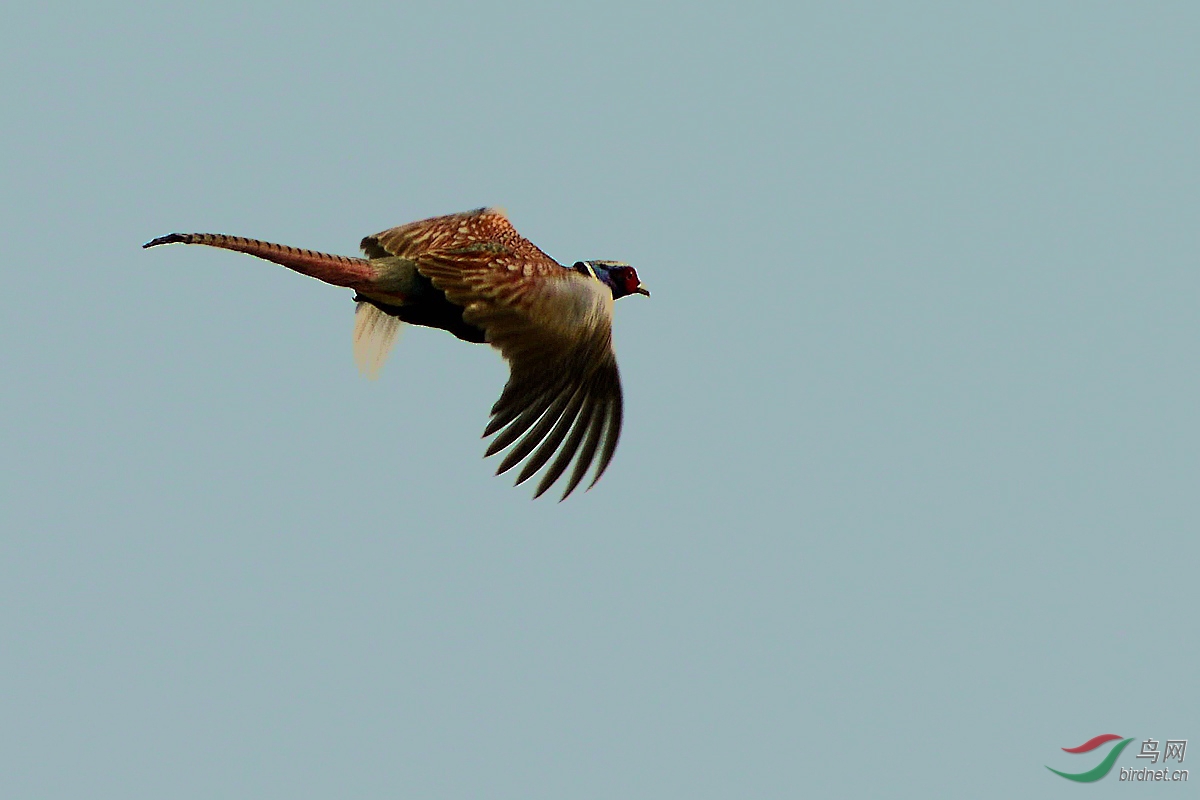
[[473, 275]]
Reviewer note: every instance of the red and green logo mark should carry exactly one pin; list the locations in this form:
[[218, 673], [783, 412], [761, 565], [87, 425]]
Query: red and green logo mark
[[1104, 767]]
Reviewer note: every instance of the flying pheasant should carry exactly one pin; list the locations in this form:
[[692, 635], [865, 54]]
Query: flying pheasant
[[473, 275]]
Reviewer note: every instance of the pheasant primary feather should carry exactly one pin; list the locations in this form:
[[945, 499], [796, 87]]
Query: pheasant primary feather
[[473, 275]]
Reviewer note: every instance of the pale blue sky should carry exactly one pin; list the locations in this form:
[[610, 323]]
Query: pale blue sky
[[907, 495]]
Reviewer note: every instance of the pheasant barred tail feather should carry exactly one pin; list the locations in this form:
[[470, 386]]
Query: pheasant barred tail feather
[[338, 270]]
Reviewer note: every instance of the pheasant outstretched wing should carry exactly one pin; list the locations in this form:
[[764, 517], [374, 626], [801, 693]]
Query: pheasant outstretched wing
[[552, 325]]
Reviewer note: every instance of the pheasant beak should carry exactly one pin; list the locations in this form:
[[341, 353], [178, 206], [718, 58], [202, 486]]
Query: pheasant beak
[[641, 289]]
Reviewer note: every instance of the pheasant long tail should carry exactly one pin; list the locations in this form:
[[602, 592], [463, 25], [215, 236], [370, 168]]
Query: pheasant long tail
[[337, 270]]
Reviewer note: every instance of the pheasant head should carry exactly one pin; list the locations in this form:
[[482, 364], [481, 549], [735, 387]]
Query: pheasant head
[[618, 276]]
